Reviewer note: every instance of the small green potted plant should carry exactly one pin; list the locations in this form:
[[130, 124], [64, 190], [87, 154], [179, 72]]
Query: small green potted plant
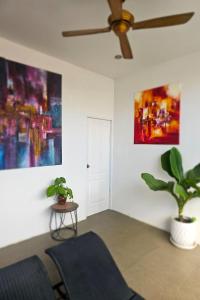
[[184, 187], [60, 189]]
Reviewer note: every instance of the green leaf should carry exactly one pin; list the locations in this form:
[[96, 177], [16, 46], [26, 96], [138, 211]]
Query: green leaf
[[194, 174], [180, 192], [51, 191], [187, 183], [70, 193], [176, 164], [171, 187], [155, 184], [61, 191], [165, 162], [60, 180]]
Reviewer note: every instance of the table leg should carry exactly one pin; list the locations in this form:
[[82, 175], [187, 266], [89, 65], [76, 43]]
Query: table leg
[[59, 222], [76, 222]]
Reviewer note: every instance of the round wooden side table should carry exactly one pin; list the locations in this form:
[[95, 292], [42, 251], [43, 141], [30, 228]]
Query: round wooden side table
[[57, 220]]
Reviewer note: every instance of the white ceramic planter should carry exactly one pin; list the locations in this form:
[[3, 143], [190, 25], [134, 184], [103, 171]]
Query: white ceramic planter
[[183, 235]]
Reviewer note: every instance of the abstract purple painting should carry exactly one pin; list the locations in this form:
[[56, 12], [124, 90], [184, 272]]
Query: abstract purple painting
[[30, 116]]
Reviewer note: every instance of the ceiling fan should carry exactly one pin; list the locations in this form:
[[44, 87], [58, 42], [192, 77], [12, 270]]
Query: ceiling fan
[[120, 21]]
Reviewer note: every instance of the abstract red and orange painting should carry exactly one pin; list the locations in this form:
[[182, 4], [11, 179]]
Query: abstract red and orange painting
[[157, 115]]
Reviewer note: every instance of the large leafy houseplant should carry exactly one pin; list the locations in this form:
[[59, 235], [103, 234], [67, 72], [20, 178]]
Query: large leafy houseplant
[[184, 186], [59, 189]]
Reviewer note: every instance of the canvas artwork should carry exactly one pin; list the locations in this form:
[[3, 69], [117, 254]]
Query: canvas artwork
[[157, 115], [30, 116]]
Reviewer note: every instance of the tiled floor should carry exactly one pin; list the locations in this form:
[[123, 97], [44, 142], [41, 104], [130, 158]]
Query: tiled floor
[[150, 264]]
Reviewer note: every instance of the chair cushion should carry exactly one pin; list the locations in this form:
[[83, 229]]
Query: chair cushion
[[88, 269], [25, 280]]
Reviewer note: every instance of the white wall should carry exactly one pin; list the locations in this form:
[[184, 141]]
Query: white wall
[[24, 208], [130, 194]]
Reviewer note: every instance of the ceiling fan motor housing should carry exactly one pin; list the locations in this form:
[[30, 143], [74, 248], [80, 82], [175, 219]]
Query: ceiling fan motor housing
[[123, 24]]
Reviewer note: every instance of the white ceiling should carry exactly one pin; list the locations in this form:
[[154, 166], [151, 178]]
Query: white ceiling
[[38, 24]]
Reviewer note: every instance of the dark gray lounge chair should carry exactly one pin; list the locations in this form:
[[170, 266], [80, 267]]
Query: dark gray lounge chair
[[88, 270], [25, 280]]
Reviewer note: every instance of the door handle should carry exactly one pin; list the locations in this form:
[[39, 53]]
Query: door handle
[[88, 166]]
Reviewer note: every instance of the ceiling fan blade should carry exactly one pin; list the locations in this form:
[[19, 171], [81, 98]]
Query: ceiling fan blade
[[163, 21], [125, 46], [85, 31], [116, 8]]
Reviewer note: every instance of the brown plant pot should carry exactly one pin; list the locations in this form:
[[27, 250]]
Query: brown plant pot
[[61, 200]]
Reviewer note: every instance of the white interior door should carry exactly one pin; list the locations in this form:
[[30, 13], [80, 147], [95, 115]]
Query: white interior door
[[99, 137]]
